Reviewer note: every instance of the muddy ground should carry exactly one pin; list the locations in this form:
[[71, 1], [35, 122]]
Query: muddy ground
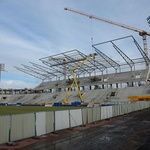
[[128, 132]]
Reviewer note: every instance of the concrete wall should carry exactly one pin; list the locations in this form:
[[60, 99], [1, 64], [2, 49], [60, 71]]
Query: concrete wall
[[17, 127]]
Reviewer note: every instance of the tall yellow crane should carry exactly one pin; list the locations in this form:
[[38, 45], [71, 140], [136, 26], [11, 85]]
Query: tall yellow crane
[[141, 32], [74, 82]]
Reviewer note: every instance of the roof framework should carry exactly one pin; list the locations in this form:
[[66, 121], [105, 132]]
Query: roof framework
[[59, 66]]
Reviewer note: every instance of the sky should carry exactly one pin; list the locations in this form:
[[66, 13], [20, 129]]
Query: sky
[[33, 29]]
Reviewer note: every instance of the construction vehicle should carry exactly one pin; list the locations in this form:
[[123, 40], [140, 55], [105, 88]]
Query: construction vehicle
[[139, 98], [74, 82], [141, 32]]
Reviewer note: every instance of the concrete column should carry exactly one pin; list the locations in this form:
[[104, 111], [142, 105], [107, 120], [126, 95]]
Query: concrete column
[[117, 85], [90, 87], [102, 86]]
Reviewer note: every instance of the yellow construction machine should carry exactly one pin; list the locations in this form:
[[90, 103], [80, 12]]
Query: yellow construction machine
[[74, 82], [139, 98]]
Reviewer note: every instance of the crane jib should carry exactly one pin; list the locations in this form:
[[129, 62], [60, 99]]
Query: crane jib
[[141, 32], [108, 21]]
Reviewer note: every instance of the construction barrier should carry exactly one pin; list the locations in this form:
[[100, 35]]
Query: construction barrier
[[40, 123], [106, 112], [61, 120], [115, 110], [84, 116], [75, 117], [21, 126], [96, 114], [49, 122], [18, 127], [90, 115], [4, 129]]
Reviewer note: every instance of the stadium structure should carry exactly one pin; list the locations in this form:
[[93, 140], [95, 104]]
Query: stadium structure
[[112, 73], [97, 78]]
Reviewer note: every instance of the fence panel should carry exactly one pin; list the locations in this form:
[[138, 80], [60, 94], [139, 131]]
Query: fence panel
[[106, 112], [16, 128], [28, 125], [90, 115], [115, 110], [109, 111], [49, 122], [124, 108], [75, 117], [103, 113], [96, 114], [61, 120], [40, 123], [84, 116], [4, 129]]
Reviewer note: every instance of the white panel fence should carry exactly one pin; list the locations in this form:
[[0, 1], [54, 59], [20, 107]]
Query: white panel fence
[[17, 127], [75, 117], [40, 123], [61, 120]]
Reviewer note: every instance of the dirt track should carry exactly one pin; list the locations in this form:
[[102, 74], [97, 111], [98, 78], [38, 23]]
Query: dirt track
[[129, 132]]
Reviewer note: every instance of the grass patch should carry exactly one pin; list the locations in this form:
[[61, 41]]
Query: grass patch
[[6, 110]]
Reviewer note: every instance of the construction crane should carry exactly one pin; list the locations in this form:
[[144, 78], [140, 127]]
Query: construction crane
[[74, 81], [141, 32]]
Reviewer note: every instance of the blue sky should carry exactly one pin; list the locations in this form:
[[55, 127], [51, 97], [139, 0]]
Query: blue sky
[[33, 29]]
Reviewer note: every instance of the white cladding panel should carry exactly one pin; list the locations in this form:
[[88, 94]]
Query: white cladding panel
[[115, 110], [40, 123], [103, 113], [49, 122], [16, 132], [130, 108], [75, 117], [120, 110], [109, 111], [96, 114], [28, 125], [106, 112], [84, 116], [90, 115], [22, 126], [4, 129], [61, 120], [125, 108]]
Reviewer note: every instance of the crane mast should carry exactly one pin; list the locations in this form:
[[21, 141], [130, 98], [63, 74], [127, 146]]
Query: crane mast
[[141, 32]]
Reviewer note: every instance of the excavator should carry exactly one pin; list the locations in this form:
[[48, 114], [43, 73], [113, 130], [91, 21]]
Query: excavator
[[74, 81]]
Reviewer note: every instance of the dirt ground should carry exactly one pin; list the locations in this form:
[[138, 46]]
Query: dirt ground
[[128, 132]]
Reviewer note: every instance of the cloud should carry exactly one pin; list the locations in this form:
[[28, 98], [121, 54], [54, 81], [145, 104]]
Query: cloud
[[16, 84]]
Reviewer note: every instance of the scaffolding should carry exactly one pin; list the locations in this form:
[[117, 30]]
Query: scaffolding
[[58, 67]]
